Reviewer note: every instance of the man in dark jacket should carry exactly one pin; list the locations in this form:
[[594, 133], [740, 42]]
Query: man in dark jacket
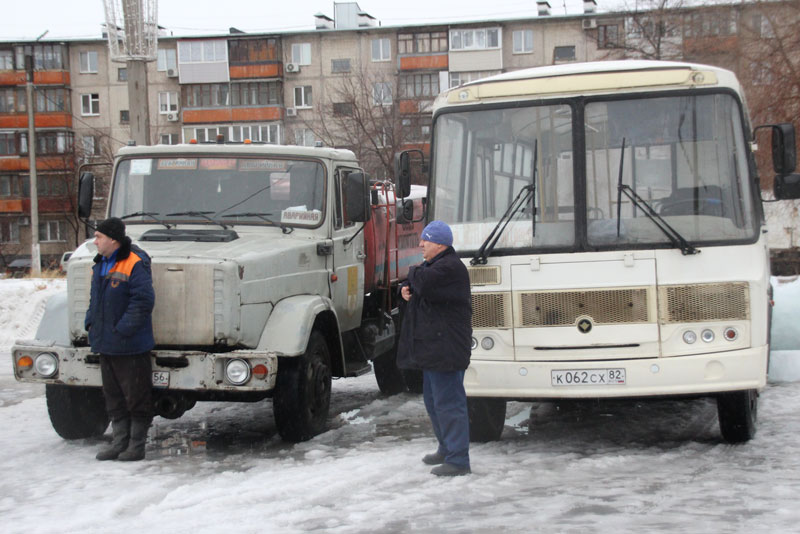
[[120, 326], [436, 338]]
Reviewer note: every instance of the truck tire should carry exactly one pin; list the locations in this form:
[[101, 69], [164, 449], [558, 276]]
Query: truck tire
[[303, 392], [76, 412], [737, 411], [487, 417], [387, 375]]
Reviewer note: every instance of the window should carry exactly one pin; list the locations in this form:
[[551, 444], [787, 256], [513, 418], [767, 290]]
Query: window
[[9, 230], [302, 96], [340, 65], [563, 53], [12, 100], [89, 62], [254, 50], [90, 104], [122, 75], [381, 50], [167, 59], [477, 39], [88, 142], [50, 142], [169, 139], [265, 133], [301, 53], [202, 51], [6, 60], [460, 78], [607, 36], [382, 94], [304, 137], [51, 231], [51, 99], [270, 133], [51, 185], [45, 57], [419, 85], [343, 108], [124, 116], [420, 43], [167, 102], [523, 41], [13, 185], [7, 144]]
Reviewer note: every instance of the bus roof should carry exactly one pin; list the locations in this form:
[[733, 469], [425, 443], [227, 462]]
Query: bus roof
[[599, 77]]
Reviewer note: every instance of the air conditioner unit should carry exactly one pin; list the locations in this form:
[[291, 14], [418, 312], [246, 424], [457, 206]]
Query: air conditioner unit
[[24, 221], [291, 112], [589, 24], [292, 67], [172, 117], [172, 73]]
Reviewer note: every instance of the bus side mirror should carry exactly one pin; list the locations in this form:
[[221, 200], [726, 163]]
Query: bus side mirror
[[357, 197], [85, 195], [784, 152], [402, 172], [786, 186]]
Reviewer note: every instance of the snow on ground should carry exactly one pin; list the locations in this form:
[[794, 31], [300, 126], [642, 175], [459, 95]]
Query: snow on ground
[[622, 467]]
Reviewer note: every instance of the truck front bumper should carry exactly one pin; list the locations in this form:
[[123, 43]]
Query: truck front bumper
[[673, 376], [173, 370]]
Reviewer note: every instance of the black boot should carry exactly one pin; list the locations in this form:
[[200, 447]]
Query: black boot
[[135, 450], [121, 432]]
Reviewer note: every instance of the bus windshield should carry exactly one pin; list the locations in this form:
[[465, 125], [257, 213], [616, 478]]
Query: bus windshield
[[684, 156], [234, 190]]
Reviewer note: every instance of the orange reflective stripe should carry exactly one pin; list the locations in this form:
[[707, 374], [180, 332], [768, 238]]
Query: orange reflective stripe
[[123, 268]]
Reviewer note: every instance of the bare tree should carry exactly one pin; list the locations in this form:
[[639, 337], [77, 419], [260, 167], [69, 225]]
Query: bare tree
[[653, 30]]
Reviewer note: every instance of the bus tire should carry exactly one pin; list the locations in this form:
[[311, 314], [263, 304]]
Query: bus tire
[[737, 411], [76, 412], [302, 396], [487, 417]]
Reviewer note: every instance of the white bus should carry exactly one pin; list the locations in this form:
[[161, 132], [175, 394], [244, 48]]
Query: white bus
[[611, 219]]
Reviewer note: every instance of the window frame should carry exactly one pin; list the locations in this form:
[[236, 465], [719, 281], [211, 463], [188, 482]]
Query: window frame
[[301, 53], [93, 100], [460, 36], [86, 67], [170, 95], [523, 34], [384, 49], [306, 97]]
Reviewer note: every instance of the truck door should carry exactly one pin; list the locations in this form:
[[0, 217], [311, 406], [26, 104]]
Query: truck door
[[348, 259]]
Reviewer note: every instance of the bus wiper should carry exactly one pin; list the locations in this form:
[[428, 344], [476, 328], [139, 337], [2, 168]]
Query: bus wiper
[[522, 199], [623, 189], [203, 214], [152, 215], [263, 216]]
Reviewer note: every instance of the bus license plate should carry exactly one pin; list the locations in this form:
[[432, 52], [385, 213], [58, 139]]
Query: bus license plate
[[588, 377], [160, 379]]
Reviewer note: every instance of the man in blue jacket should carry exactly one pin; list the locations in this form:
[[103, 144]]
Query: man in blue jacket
[[436, 338], [120, 326]]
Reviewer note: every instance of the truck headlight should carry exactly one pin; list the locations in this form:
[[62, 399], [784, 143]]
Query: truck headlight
[[46, 365], [237, 372]]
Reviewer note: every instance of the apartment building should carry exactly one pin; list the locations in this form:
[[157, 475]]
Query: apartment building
[[349, 82]]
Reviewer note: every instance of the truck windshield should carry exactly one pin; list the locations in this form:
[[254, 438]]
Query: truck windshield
[[684, 155], [233, 190]]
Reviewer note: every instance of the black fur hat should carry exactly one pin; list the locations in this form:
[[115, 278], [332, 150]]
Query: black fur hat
[[113, 228]]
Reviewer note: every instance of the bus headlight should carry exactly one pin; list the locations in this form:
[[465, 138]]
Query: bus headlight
[[707, 335], [45, 365], [487, 343], [237, 371], [731, 334], [473, 344], [689, 337]]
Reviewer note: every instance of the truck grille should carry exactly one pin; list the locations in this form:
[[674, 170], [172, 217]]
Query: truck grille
[[563, 308], [704, 302], [482, 276], [491, 310]]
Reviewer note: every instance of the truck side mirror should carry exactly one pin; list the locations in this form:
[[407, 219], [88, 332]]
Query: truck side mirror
[[356, 194], [402, 172], [786, 186], [784, 152], [85, 195], [405, 211]]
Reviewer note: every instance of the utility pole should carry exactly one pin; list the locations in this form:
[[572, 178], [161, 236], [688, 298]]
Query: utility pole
[[36, 261], [138, 103]]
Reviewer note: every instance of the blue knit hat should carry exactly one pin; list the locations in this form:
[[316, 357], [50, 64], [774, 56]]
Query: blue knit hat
[[437, 232]]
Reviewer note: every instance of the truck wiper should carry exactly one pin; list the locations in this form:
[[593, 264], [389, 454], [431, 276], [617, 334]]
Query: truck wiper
[[263, 216], [623, 189], [152, 215], [524, 196], [203, 214]]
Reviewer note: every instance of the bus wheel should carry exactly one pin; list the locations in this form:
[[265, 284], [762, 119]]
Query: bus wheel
[[76, 412], [302, 396], [737, 412], [487, 417]]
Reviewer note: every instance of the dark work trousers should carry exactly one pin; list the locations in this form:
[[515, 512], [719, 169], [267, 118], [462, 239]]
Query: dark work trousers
[[128, 386], [446, 403]]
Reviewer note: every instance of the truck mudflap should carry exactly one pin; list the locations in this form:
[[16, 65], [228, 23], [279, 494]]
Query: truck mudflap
[[234, 371]]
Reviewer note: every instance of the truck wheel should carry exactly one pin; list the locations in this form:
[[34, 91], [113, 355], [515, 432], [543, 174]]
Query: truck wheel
[[303, 392], [413, 379], [487, 417], [737, 411], [387, 375], [76, 412]]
